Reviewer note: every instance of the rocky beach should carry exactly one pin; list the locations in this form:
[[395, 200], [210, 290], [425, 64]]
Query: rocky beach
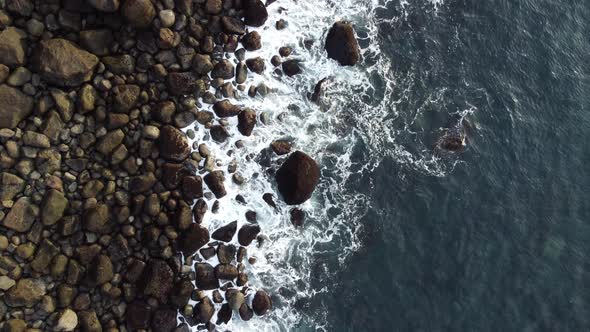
[[110, 115]]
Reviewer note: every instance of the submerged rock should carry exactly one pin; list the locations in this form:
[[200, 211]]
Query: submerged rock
[[261, 303], [297, 178], [341, 44]]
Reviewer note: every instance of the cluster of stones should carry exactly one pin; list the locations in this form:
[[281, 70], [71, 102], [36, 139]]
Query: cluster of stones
[[102, 198]]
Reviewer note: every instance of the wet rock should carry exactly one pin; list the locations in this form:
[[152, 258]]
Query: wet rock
[[125, 97], [193, 239], [246, 122], [255, 13], [226, 253], [68, 320], [110, 141], [224, 314], [256, 65], [219, 133], [13, 47], [285, 51], [252, 41], [269, 199], [291, 68], [173, 144], [261, 303], [281, 147], [15, 106], [341, 44], [96, 219], [164, 320], [63, 63], [21, 216], [247, 234], [235, 300], [232, 25], [100, 271], [120, 64], [138, 316], [241, 73], [142, 183], [297, 217], [225, 233], [204, 310], [207, 252], [205, 277], [181, 293], [138, 13], [157, 280], [214, 181], [297, 178], [223, 69], [202, 64], [192, 187], [226, 272], [225, 108], [245, 312], [97, 41], [108, 6], [281, 24], [47, 250], [54, 206], [26, 293], [184, 83], [89, 321]]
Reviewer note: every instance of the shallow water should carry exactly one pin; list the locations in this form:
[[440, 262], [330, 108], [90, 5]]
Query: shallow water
[[399, 237]]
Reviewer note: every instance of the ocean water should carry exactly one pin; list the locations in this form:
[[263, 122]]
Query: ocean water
[[399, 236]]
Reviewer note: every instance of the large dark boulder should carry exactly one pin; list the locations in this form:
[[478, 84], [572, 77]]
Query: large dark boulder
[[342, 45], [247, 234], [297, 178], [205, 278], [226, 232], [173, 144], [261, 303], [157, 280], [193, 239], [63, 63], [255, 14]]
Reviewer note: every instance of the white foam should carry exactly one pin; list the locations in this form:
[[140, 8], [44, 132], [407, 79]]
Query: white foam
[[328, 133]]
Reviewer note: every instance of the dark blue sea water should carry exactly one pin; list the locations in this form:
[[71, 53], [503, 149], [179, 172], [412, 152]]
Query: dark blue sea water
[[500, 239]]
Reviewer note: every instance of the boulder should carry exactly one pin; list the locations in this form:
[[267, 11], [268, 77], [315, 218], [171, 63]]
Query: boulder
[[245, 312], [205, 278], [193, 239], [252, 41], [223, 69], [184, 83], [47, 250], [247, 234], [68, 320], [213, 7], [138, 316], [15, 106], [13, 47], [225, 109], [291, 67], [246, 122], [204, 310], [54, 206], [108, 6], [341, 44], [26, 293], [225, 233], [255, 13], [96, 219], [89, 321], [232, 25], [22, 215], [226, 272], [226, 253], [297, 178], [100, 270], [138, 13], [97, 41], [219, 133], [256, 65], [173, 144], [164, 320], [202, 64], [214, 181], [157, 280], [281, 147], [120, 64], [125, 97], [10, 186], [63, 63], [107, 143], [261, 303], [224, 314]]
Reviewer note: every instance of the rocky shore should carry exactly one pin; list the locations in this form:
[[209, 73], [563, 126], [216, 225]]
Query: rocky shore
[[103, 197]]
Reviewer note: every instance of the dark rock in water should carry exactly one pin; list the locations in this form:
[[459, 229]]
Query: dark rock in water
[[199, 210], [193, 239], [105, 5], [182, 83], [246, 122], [164, 320], [223, 69], [261, 303], [225, 233], [214, 181], [181, 293], [226, 272], [232, 25], [224, 314], [157, 280], [256, 65], [15, 106], [173, 144], [281, 24], [63, 63], [202, 64], [269, 199], [192, 187], [251, 216], [138, 315], [453, 139], [341, 44], [297, 217], [247, 234], [245, 312], [204, 310], [225, 109], [138, 13], [205, 277], [317, 91], [207, 252], [219, 133], [226, 253], [291, 68], [297, 178], [252, 41], [281, 147], [285, 51], [255, 13]]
